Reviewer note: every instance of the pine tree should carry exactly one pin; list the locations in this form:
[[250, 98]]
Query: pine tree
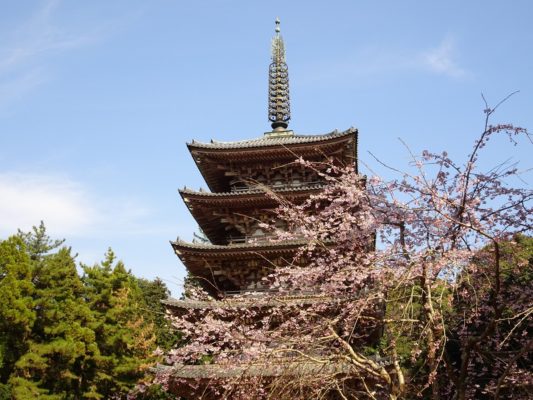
[[153, 292], [125, 338], [17, 314], [62, 351], [38, 243], [66, 337]]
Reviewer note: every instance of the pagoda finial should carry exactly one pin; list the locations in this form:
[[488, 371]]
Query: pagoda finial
[[279, 110]]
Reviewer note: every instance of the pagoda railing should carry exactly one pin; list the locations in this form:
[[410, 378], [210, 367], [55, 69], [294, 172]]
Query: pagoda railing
[[259, 239], [248, 238], [259, 292], [290, 185]]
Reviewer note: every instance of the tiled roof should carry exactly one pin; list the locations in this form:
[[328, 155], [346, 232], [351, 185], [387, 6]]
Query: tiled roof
[[266, 140], [253, 302], [269, 369], [259, 190], [238, 246]]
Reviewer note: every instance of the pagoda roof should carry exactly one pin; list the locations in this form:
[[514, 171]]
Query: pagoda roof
[[270, 140], [205, 206], [252, 192], [182, 247], [207, 261], [205, 378], [251, 301], [270, 368], [212, 158], [259, 299]]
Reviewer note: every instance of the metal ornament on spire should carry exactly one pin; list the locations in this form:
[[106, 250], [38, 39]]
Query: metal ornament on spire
[[279, 110]]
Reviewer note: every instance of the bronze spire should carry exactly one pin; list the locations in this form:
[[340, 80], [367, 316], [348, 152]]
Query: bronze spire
[[279, 110]]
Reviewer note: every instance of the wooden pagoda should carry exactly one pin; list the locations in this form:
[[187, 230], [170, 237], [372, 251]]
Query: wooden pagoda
[[237, 252]]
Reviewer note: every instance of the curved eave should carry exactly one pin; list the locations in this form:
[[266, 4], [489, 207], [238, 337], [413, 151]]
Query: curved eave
[[204, 206], [271, 142], [270, 150], [201, 260], [263, 302], [182, 248], [270, 369], [245, 194]]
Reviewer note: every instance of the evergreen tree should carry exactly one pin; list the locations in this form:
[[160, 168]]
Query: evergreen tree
[[153, 292], [17, 314], [66, 337], [62, 350], [125, 338], [38, 243]]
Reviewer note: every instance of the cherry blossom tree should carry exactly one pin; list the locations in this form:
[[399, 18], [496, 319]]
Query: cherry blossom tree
[[418, 286]]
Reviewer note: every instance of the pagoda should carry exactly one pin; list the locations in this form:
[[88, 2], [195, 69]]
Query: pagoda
[[237, 252]]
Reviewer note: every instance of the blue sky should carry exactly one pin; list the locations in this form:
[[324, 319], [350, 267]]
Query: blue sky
[[97, 100]]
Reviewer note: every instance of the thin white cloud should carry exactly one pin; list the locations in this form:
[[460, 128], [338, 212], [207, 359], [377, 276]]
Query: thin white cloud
[[374, 62], [27, 199], [441, 60], [69, 209]]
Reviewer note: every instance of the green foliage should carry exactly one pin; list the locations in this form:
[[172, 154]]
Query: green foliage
[[38, 243], [66, 337], [154, 392], [5, 392], [61, 349], [153, 292], [124, 336], [517, 260], [17, 314]]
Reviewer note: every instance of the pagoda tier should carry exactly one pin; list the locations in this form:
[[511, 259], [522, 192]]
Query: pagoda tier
[[226, 269], [247, 180], [206, 378], [251, 301], [231, 166], [233, 217]]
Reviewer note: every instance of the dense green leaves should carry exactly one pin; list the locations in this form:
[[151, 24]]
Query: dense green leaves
[[62, 342], [17, 313], [153, 292], [124, 335], [63, 336], [38, 243]]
